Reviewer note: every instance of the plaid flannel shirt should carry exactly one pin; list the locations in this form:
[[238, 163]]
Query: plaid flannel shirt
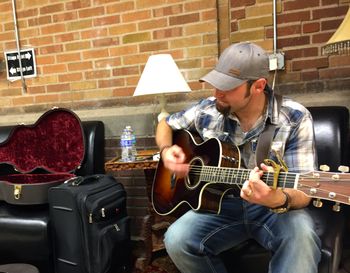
[[293, 138]]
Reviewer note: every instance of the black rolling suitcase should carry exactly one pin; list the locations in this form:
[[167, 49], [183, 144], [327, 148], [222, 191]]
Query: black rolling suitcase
[[91, 229]]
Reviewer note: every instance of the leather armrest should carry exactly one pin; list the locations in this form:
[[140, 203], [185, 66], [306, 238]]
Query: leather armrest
[[24, 235], [330, 227], [331, 127], [94, 148]]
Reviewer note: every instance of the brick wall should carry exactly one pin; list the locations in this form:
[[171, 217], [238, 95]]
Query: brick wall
[[303, 27], [91, 53], [88, 51]]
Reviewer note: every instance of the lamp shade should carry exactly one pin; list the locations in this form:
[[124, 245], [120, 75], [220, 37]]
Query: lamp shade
[[339, 43], [161, 75]]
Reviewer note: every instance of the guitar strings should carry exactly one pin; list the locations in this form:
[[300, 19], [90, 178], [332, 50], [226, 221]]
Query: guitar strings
[[227, 175], [227, 172]]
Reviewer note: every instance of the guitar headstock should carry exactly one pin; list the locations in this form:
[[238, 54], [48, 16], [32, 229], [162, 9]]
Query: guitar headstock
[[325, 185]]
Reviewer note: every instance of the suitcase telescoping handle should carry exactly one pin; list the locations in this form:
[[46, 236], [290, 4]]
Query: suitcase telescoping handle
[[80, 180]]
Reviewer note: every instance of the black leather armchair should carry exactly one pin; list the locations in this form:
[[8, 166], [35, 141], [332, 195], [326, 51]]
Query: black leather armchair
[[25, 230], [331, 126]]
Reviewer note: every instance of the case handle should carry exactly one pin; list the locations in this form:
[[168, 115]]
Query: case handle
[[80, 180]]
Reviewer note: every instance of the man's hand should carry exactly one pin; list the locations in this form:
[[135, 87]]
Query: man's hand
[[256, 191], [174, 159]]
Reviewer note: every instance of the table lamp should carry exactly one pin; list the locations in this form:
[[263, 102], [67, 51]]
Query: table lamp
[[159, 77], [339, 43]]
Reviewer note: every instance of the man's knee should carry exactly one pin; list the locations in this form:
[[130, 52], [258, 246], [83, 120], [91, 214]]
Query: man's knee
[[174, 240], [301, 231]]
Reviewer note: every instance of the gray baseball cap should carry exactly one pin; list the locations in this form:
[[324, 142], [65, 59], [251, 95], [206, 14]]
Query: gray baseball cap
[[237, 64]]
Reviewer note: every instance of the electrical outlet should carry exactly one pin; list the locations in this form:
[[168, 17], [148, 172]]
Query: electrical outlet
[[276, 61]]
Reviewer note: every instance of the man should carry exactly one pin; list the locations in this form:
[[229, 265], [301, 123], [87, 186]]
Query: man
[[241, 107]]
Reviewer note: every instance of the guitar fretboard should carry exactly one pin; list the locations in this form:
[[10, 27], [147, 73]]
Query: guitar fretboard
[[235, 176]]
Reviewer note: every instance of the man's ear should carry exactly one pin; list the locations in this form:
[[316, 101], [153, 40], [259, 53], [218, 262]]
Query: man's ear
[[259, 85]]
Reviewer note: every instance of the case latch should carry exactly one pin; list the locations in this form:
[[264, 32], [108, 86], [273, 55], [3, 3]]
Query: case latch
[[17, 191]]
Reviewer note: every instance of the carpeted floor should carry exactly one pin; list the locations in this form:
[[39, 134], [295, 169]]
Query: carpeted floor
[[165, 263], [154, 269], [161, 263]]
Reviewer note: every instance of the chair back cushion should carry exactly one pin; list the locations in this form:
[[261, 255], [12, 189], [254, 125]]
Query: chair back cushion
[[331, 126]]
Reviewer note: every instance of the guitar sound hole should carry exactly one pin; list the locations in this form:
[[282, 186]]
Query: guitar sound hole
[[193, 177]]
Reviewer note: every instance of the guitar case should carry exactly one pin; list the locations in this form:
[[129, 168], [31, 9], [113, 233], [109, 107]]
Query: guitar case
[[37, 157]]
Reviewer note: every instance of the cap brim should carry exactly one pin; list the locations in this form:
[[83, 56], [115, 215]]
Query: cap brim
[[221, 81]]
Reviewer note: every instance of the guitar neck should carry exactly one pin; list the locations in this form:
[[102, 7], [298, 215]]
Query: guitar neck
[[235, 176]]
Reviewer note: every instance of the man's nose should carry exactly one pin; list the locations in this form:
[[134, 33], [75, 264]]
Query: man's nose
[[219, 93]]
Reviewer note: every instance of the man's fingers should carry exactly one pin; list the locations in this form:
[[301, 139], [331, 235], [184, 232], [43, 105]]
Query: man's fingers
[[247, 189], [249, 192]]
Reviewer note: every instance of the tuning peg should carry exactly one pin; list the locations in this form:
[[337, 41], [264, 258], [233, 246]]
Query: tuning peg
[[324, 168], [336, 207], [343, 169], [317, 203]]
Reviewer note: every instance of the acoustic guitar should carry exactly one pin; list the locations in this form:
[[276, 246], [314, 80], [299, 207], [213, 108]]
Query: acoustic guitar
[[215, 169]]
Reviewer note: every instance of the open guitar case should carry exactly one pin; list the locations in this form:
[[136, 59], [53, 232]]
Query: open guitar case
[[36, 157]]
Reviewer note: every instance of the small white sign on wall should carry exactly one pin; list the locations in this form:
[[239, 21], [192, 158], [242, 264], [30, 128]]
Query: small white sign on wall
[[13, 66]]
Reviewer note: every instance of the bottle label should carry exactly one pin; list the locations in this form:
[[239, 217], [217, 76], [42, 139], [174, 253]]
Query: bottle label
[[126, 142]]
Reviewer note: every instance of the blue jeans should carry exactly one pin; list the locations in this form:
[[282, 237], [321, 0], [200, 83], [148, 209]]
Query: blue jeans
[[194, 240]]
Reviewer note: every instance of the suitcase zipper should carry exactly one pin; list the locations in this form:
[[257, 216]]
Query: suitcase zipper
[[96, 208], [85, 198], [90, 218], [116, 227], [103, 214]]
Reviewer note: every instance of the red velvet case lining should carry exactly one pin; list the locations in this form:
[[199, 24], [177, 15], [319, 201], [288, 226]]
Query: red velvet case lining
[[55, 143]]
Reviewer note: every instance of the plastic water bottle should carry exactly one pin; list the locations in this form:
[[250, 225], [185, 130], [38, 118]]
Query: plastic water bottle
[[133, 142], [127, 143]]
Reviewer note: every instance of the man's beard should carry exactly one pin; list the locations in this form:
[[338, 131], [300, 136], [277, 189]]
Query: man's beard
[[224, 110]]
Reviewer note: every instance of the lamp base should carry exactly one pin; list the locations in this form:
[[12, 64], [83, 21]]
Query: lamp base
[[162, 115]]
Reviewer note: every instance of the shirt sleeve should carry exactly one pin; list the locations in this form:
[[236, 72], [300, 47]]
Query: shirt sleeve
[[186, 119], [300, 151]]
